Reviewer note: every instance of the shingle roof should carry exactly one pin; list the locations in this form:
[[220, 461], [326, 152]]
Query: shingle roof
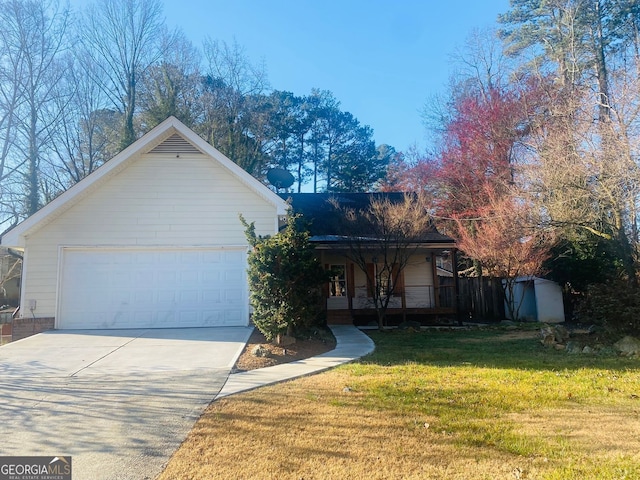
[[326, 222]]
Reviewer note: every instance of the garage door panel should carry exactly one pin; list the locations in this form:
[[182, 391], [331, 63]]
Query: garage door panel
[[211, 257], [211, 296], [116, 288], [212, 276], [232, 276], [233, 295], [188, 297]]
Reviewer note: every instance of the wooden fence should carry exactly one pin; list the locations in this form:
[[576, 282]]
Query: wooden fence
[[481, 298]]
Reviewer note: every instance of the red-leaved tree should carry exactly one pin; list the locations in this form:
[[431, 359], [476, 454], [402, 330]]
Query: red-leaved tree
[[476, 158], [506, 241]]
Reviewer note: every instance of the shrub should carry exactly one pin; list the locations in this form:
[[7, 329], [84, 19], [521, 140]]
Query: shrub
[[614, 305], [285, 278]]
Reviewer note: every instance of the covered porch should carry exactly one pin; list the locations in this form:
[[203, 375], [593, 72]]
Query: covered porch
[[425, 289]]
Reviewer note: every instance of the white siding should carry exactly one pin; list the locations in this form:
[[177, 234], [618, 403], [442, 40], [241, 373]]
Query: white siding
[[418, 284], [418, 281], [159, 200]]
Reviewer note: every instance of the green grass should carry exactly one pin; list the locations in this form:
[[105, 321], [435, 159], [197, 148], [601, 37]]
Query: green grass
[[473, 385], [459, 405]]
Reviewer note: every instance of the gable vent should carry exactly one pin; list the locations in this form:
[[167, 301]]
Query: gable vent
[[175, 144]]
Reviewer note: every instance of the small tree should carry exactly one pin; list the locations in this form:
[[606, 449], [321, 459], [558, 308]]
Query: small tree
[[285, 278], [383, 238], [505, 243]]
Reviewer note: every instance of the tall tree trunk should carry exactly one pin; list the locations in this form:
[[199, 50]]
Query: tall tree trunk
[[601, 67], [128, 132], [33, 203], [300, 163]]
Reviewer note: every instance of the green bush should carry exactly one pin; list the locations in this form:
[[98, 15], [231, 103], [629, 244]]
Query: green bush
[[286, 279], [614, 305]]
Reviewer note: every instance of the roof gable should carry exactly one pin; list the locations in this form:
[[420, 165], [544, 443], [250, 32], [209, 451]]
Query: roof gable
[[170, 137]]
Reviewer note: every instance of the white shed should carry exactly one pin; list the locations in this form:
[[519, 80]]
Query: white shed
[[540, 300], [150, 239]]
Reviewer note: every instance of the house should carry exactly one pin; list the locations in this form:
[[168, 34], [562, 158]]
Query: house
[[9, 278], [425, 288], [150, 239]]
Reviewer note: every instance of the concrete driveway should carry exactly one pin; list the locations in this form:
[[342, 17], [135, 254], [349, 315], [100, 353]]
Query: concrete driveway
[[118, 401]]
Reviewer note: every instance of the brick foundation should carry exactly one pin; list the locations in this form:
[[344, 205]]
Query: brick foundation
[[25, 327]]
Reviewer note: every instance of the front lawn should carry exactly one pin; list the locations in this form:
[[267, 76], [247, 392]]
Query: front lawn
[[449, 405]]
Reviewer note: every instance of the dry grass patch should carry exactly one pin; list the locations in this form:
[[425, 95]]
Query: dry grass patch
[[604, 432], [436, 405], [312, 429]]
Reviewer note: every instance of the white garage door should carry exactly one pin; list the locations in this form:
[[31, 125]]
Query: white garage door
[[136, 288]]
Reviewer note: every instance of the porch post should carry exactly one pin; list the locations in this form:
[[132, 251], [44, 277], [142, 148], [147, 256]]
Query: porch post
[[351, 285], [436, 280], [456, 283]]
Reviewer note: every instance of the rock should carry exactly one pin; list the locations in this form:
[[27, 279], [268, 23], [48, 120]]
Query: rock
[[628, 346], [587, 350], [285, 340], [573, 348], [559, 346], [260, 351], [553, 334], [548, 336], [561, 333]]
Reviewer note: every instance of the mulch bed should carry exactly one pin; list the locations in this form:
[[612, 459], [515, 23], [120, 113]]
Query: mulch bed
[[301, 349]]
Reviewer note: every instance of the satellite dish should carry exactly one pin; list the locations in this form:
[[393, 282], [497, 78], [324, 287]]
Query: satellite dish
[[280, 178]]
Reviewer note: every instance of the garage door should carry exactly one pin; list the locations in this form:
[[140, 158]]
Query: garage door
[[136, 288]]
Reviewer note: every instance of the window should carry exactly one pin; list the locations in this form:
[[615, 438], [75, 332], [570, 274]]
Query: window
[[386, 280], [385, 284], [383, 281], [338, 283]]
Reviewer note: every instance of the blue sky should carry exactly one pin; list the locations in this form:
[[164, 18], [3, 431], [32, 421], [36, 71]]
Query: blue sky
[[382, 59]]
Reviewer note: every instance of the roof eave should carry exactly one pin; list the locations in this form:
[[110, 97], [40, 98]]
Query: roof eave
[[345, 244]]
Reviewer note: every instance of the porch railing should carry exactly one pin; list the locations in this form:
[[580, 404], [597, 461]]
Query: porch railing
[[416, 296]]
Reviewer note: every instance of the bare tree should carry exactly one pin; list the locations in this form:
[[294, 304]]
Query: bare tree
[[32, 42], [384, 236], [87, 135], [233, 95], [584, 170], [173, 86], [123, 39], [584, 146]]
